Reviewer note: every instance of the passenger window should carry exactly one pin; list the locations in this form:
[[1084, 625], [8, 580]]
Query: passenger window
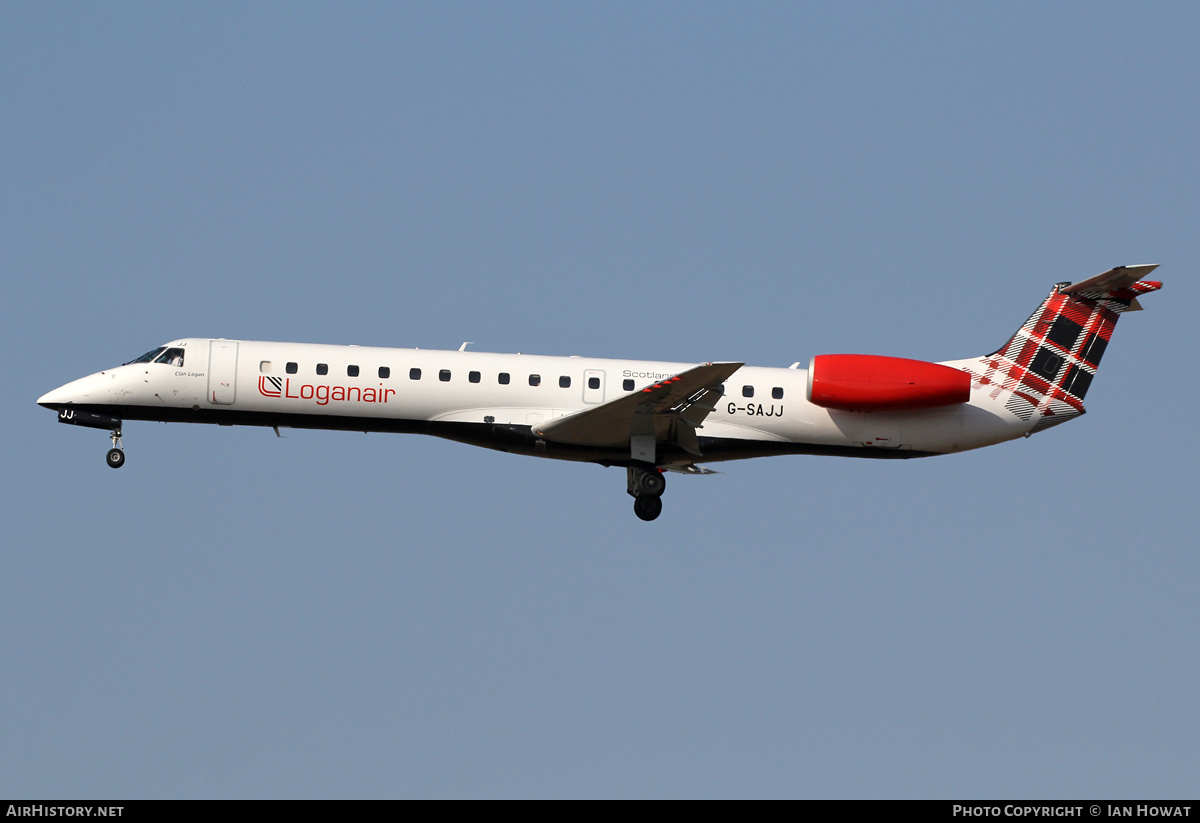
[[385, 372], [352, 371], [627, 385], [444, 375], [414, 374], [564, 382], [593, 382], [322, 368], [265, 367], [777, 393], [747, 391], [291, 368], [535, 380], [473, 376], [502, 378]]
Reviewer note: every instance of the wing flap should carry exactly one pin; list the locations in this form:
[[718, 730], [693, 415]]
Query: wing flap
[[689, 468]]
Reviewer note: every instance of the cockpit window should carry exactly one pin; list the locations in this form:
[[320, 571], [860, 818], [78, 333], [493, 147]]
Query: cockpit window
[[172, 357], [148, 356]]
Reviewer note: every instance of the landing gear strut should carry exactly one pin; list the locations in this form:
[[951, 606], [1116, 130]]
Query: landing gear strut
[[115, 457], [646, 485]]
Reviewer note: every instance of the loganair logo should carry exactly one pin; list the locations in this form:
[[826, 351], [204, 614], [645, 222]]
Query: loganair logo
[[282, 388]]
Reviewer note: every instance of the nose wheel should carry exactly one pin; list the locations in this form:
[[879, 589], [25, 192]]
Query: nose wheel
[[115, 457], [646, 485]]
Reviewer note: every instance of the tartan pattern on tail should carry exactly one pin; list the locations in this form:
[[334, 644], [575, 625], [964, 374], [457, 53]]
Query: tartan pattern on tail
[[1049, 363]]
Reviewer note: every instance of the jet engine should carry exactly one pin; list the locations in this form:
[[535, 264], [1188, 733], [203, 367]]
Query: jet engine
[[869, 382]]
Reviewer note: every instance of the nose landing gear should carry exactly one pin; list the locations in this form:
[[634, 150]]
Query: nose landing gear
[[646, 485], [115, 457]]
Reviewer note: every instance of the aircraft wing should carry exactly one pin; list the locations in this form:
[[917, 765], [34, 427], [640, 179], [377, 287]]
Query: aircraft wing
[[671, 410]]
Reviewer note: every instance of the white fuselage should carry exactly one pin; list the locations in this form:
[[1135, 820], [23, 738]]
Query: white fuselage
[[496, 400], [650, 417]]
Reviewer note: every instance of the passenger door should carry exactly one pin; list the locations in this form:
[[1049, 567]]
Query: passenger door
[[222, 372]]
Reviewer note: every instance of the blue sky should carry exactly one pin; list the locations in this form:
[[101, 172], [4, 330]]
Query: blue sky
[[339, 615]]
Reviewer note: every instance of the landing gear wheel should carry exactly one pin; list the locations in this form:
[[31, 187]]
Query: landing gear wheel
[[116, 458], [647, 508], [651, 484]]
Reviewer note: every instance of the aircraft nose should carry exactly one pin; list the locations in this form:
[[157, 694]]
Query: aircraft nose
[[90, 389], [54, 399]]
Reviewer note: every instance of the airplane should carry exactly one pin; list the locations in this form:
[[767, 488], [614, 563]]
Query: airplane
[[646, 416]]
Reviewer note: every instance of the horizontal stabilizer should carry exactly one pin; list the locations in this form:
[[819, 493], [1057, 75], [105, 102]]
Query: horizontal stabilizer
[[1122, 277]]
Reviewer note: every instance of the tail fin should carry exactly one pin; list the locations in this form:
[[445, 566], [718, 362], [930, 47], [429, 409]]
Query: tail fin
[[1049, 363]]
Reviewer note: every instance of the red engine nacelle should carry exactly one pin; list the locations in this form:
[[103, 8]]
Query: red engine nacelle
[[869, 382]]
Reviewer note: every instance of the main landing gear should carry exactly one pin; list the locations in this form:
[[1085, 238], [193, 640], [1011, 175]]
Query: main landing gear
[[646, 485], [115, 457]]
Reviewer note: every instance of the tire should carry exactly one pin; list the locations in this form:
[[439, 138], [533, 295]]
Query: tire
[[116, 458], [647, 508], [651, 484]]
